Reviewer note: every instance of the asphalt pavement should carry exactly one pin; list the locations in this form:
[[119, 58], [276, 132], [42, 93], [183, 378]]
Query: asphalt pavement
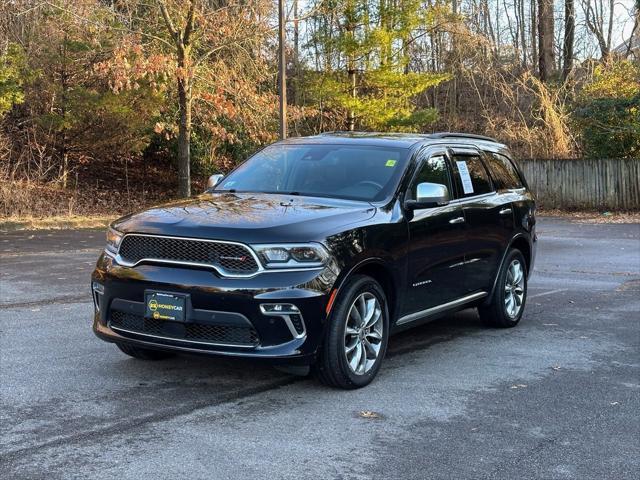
[[556, 397]]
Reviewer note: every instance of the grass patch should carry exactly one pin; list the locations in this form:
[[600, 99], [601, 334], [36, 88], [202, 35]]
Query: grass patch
[[68, 222]]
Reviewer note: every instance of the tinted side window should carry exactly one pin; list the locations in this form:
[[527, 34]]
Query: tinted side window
[[433, 170], [471, 176], [503, 172]]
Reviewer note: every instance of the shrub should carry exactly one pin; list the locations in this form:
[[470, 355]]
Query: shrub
[[607, 113]]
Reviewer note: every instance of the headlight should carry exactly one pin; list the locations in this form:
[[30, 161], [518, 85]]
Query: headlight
[[113, 240], [292, 255]]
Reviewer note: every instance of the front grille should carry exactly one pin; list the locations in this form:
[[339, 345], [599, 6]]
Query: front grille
[[230, 258], [200, 332]]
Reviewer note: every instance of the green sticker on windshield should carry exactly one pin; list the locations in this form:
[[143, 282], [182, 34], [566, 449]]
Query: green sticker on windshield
[[390, 163]]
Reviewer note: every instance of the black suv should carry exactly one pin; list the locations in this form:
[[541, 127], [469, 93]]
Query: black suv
[[315, 249]]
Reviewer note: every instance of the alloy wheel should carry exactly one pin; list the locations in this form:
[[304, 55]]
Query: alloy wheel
[[363, 333], [514, 289]]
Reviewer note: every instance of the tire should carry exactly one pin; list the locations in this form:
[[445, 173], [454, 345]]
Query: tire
[[341, 363], [144, 353], [501, 312]]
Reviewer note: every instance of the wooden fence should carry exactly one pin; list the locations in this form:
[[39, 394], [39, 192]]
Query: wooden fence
[[611, 184]]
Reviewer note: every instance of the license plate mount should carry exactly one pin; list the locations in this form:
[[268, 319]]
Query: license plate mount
[[165, 306]]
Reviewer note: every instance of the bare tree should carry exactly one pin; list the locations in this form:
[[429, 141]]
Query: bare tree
[[534, 33], [546, 59], [598, 15], [522, 26], [569, 37], [634, 31], [181, 36]]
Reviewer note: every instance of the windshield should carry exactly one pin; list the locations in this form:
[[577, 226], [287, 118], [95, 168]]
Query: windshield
[[352, 172]]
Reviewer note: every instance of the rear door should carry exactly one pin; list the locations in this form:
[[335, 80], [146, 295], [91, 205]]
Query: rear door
[[437, 241], [508, 183], [488, 218]]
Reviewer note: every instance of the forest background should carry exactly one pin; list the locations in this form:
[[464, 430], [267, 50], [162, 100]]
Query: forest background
[[107, 106]]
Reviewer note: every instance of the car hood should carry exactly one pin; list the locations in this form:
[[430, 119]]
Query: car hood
[[248, 218]]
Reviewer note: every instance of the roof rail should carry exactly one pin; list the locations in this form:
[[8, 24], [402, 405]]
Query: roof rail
[[462, 135]]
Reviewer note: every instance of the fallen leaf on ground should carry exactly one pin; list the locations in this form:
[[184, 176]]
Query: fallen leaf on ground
[[368, 414]]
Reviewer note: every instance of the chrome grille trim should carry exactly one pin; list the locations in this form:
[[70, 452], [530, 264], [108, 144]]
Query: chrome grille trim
[[218, 268], [124, 325], [121, 261]]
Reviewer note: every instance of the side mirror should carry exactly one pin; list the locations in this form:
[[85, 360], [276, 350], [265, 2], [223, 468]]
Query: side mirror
[[429, 195], [214, 180]]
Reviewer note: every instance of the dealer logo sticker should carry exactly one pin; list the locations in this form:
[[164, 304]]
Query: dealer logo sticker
[[165, 306]]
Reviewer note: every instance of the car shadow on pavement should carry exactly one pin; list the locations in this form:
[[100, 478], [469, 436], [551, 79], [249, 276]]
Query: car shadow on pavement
[[206, 372]]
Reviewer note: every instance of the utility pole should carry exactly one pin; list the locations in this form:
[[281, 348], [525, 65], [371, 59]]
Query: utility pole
[[282, 74]]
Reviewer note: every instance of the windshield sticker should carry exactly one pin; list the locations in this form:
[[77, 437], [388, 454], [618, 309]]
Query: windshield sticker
[[467, 186], [390, 163]]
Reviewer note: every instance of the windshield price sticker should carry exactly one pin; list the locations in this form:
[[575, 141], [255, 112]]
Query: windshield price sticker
[[390, 163], [467, 186]]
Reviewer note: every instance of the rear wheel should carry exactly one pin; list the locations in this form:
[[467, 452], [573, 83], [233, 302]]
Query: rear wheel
[[144, 353], [510, 294], [357, 335]]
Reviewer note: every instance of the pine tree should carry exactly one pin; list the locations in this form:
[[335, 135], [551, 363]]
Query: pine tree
[[366, 72]]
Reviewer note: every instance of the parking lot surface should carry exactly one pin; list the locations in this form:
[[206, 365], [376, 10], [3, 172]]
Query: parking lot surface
[[556, 397]]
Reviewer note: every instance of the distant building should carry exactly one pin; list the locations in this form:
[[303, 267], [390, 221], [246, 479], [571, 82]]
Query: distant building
[[630, 48]]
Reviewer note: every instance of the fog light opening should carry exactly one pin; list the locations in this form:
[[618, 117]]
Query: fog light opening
[[289, 313], [98, 292]]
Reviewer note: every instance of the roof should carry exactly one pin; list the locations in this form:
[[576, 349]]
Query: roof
[[398, 140], [630, 45]]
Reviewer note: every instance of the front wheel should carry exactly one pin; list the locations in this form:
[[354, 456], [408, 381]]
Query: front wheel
[[510, 294], [357, 335]]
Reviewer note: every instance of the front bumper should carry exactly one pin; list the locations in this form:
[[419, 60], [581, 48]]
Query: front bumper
[[223, 315]]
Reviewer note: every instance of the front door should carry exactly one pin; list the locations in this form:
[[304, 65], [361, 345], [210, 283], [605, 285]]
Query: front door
[[437, 242]]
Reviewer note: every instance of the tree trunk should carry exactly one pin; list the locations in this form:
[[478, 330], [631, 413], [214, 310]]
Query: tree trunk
[[182, 41], [296, 54], [546, 59], [569, 36], [534, 34], [184, 131], [64, 154], [282, 70], [351, 116], [523, 34], [350, 27]]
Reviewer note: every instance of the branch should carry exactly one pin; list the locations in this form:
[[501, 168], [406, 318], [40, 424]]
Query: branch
[[98, 24], [189, 26], [167, 20]]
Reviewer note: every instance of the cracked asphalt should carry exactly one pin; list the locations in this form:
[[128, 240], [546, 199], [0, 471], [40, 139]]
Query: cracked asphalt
[[557, 397]]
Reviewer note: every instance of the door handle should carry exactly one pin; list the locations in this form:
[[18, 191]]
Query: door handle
[[505, 211], [457, 220]]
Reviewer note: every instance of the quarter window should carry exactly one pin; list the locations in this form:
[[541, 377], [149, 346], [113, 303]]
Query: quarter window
[[471, 176], [433, 170], [503, 172]]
